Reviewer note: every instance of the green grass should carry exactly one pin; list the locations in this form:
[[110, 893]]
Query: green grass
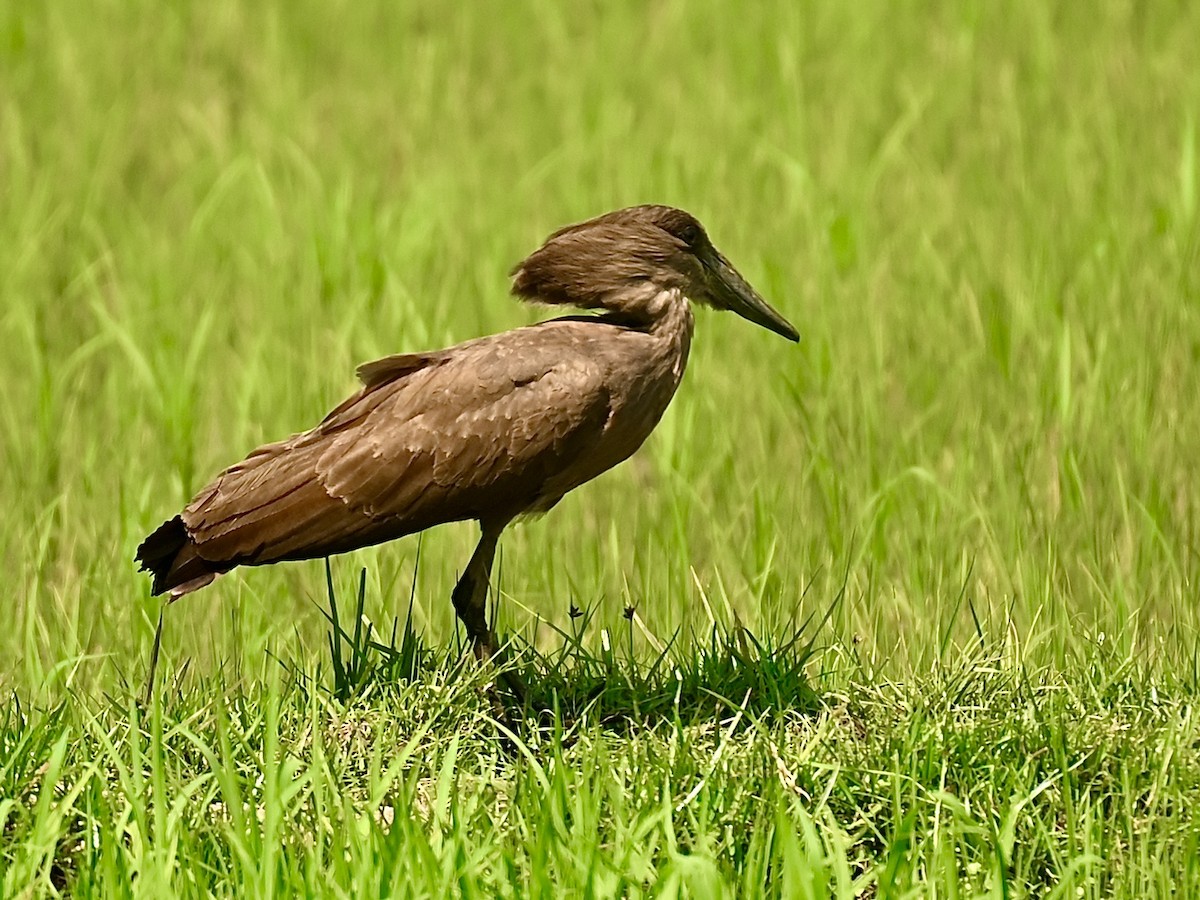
[[915, 604]]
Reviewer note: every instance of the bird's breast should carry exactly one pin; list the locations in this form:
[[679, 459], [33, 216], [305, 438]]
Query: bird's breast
[[644, 374]]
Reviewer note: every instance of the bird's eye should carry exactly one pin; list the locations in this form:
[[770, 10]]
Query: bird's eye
[[689, 233]]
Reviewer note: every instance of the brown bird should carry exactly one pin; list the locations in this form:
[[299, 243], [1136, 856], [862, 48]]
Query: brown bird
[[489, 429]]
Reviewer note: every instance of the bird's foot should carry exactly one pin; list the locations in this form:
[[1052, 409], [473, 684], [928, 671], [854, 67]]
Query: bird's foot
[[507, 702], [489, 653]]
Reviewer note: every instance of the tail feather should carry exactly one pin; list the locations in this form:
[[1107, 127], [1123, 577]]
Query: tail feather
[[169, 554]]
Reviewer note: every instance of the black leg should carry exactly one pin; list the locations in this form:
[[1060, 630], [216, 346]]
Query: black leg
[[470, 602], [470, 594]]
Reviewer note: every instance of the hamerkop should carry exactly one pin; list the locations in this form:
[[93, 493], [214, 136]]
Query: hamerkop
[[489, 429]]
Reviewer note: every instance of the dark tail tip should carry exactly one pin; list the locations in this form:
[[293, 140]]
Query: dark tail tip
[[157, 553]]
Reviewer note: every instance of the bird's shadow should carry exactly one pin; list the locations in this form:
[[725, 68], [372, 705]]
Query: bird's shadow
[[694, 679], [700, 680]]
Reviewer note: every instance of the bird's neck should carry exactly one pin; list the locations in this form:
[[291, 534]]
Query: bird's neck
[[670, 320], [662, 312], [668, 313]]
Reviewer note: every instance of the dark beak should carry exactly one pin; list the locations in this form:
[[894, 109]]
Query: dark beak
[[731, 291]]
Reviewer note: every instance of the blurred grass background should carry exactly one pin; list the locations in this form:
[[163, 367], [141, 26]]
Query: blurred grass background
[[982, 216]]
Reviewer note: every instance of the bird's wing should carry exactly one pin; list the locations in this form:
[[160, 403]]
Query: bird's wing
[[461, 435], [380, 371], [479, 435]]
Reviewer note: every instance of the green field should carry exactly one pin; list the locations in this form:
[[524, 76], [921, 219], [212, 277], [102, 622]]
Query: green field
[[927, 583]]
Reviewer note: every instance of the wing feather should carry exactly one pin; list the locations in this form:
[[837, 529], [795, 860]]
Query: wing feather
[[481, 439], [475, 432]]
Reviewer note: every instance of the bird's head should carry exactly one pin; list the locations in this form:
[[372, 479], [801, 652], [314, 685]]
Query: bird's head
[[626, 261]]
